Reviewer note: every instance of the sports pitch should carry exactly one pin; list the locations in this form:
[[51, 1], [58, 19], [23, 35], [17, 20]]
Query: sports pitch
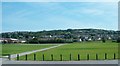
[[19, 48], [83, 49]]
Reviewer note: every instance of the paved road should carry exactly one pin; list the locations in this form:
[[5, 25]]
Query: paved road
[[0, 61], [63, 62]]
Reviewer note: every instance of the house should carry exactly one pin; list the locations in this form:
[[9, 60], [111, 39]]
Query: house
[[80, 40], [21, 41], [89, 39], [8, 40], [99, 39], [1, 40]]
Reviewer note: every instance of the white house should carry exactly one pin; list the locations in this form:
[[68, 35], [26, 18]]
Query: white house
[[99, 38], [80, 40]]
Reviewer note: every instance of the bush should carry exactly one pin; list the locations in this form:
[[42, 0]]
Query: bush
[[118, 40], [35, 40]]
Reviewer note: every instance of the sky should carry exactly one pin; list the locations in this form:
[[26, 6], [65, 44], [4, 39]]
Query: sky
[[38, 16], [60, 0]]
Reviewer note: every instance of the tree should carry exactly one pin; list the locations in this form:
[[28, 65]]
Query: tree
[[34, 40], [103, 39], [118, 39]]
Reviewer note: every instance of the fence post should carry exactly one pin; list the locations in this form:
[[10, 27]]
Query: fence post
[[105, 56], [114, 56], [52, 57], [61, 57], [26, 57], [9, 56], [70, 57], [96, 56], [87, 56], [78, 57], [34, 57], [43, 57], [17, 57]]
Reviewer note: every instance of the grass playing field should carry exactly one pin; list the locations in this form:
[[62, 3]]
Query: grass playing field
[[19, 48], [84, 48]]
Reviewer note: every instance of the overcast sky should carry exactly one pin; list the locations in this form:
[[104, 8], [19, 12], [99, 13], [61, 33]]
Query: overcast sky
[[37, 16]]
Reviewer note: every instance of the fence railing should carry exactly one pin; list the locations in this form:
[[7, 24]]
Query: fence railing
[[61, 57]]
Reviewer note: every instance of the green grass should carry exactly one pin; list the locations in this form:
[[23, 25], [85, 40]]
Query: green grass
[[74, 49], [19, 48]]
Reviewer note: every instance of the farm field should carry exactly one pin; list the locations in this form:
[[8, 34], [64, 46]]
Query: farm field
[[19, 48], [83, 48]]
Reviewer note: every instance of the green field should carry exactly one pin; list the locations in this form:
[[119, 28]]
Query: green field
[[83, 48], [19, 48]]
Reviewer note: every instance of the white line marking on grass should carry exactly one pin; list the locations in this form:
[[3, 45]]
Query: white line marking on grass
[[34, 51]]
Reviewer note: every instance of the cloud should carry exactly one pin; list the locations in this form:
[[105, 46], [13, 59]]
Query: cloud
[[19, 14], [24, 14], [91, 11]]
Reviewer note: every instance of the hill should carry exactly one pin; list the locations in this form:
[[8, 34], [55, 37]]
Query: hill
[[69, 34]]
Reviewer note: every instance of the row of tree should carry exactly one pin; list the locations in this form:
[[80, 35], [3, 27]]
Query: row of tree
[[58, 40], [69, 33]]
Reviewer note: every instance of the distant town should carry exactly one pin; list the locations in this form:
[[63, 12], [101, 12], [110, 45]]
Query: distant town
[[60, 36]]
